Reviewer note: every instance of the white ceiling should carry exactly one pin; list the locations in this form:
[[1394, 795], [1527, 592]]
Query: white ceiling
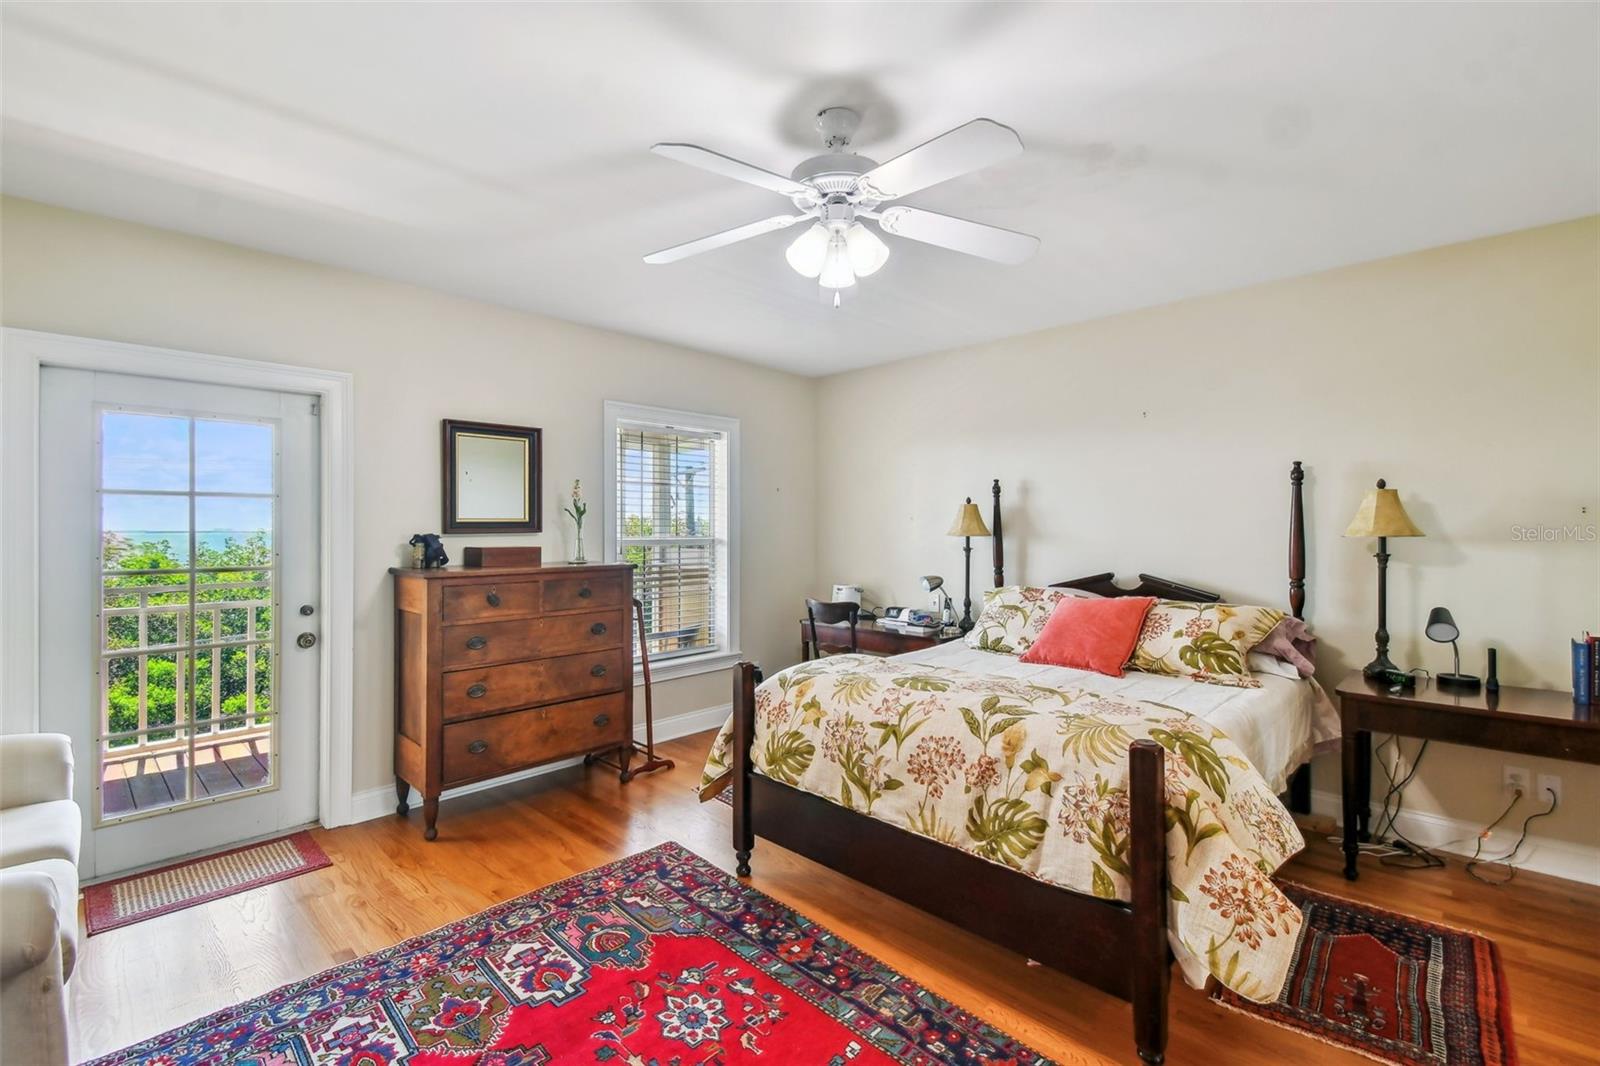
[[501, 152]]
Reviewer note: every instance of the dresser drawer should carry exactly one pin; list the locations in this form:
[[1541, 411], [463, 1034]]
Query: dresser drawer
[[476, 644], [502, 743], [469, 693], [584, 591], [490, 600]]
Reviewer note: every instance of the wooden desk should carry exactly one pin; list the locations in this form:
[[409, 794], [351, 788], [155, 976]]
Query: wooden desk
[[1525, 721], [873, 638]]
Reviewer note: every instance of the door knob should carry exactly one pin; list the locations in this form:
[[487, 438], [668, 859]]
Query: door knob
[[307, 610], [306, 640]]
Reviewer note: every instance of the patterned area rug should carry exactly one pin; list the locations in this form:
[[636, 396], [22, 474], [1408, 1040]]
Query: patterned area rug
[[1392, 988], [186, 884], [659, 959]]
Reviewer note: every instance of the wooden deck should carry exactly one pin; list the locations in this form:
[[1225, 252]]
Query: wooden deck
[[144, 781]]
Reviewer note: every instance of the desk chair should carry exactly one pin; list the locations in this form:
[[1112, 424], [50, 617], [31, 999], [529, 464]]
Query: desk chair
[[820, 611]]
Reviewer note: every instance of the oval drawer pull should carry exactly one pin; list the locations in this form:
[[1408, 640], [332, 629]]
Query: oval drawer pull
[[477, 643], [477, 691], [493, 598], [585, 592], [598, 628], [478, 747], [602, 720], [597, 670]]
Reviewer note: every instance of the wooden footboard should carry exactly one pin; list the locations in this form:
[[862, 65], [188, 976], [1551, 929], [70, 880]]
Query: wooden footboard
[[1118, 947]]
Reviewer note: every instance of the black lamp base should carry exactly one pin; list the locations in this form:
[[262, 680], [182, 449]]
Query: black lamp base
[[1458, 682], [1380, 666]]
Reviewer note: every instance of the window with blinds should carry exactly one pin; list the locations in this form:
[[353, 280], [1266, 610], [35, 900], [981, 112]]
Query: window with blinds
[[671, 508]]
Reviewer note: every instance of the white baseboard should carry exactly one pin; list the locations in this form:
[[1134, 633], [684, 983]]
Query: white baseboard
[[1559, 858], [378, 802]]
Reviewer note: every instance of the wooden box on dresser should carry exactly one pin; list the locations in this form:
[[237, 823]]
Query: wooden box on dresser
[[501, 669]]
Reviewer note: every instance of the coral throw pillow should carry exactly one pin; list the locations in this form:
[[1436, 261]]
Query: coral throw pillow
[[1096, 635]]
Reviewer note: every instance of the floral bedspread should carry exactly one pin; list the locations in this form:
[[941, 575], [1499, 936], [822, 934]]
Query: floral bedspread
[[1036, 778]]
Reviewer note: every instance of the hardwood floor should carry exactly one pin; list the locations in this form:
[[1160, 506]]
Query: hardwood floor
[[387, 884]]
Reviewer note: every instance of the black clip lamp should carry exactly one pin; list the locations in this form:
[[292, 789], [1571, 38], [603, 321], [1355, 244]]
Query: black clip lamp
[[1442, 629], [935, 583]]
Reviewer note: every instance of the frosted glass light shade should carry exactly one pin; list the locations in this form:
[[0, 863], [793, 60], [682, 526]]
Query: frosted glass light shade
[[867, 252], [808, 251], [836, 270]]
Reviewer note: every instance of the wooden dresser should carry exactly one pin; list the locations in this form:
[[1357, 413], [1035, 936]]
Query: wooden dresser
[[501, 669]]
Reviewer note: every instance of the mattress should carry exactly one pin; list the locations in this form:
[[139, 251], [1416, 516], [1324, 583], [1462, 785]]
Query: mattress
[[1278, 726]]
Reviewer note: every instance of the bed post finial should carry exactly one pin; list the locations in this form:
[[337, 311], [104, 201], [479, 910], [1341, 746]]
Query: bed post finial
[[1297, 541], [997, 544]]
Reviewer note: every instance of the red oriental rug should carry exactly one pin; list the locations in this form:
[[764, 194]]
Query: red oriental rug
[[1393, 988], [659, 959], [194, 881]]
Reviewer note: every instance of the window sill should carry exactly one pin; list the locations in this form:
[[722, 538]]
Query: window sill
[[689, 666]]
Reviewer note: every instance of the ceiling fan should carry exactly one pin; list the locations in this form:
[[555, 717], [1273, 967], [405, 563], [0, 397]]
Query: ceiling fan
[[839, 189]]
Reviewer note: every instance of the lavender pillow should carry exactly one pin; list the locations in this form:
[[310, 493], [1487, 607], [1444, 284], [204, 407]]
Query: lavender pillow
[[1292, 642]]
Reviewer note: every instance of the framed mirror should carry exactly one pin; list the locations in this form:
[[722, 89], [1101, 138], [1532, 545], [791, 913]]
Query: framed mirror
[[491, 478]]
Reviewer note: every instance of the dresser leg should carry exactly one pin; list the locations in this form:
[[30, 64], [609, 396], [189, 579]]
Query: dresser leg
[[402, 792], [1350, 782], [430, 817], [624, 757]]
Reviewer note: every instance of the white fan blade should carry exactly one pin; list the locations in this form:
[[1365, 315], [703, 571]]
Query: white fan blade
[[978, 144], [959, 235], [729, 167], [726, 237]]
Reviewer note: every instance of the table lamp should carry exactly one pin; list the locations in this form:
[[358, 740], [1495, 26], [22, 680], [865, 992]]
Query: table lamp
[[1381, 515], [968, 524], [1442, 629]]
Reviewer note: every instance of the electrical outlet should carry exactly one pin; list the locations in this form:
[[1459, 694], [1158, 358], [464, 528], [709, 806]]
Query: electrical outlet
[[1548, 783], [1517, 777]]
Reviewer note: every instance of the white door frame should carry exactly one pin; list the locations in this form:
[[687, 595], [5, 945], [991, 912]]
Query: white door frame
[[22, 353]]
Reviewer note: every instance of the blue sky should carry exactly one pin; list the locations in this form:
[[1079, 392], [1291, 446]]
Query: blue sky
[[151, 452]]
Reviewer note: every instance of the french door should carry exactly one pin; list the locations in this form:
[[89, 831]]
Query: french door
[[178, 609]]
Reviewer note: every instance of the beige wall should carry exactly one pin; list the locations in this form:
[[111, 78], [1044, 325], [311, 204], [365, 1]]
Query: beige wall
[[1160, 441], [418, 356]]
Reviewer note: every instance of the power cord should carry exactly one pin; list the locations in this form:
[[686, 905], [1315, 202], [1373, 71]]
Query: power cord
[[1505, 860], [1403, 853]]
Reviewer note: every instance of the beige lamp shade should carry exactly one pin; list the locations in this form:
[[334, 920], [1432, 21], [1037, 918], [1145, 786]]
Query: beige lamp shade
[[969, 523], [1381, 515]]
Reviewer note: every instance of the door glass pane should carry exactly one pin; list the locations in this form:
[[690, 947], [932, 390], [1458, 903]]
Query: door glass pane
[[187, 642], [233, 530], [144, 532], [149, 453], [232, 456], [145, 775]]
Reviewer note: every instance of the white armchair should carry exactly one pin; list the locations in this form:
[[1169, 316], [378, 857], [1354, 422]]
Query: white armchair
[[39, 835]]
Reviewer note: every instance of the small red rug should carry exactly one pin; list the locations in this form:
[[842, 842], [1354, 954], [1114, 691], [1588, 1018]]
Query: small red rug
[[1393, 988], [195, 881], [660, 959]]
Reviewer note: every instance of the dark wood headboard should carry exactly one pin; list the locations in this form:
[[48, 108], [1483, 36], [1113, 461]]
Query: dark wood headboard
[[1163, 588]]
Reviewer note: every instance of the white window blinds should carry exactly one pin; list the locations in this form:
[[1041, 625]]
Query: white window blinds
[[671, 514]]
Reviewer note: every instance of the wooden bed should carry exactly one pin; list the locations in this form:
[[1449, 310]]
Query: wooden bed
[[1119, 947]]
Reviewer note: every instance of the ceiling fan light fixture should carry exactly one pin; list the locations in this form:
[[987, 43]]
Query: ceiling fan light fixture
[[809, 251], [837, 272], [867, 251]]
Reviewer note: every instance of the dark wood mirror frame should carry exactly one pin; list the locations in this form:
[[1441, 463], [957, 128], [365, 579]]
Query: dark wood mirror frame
[[452, 428]]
